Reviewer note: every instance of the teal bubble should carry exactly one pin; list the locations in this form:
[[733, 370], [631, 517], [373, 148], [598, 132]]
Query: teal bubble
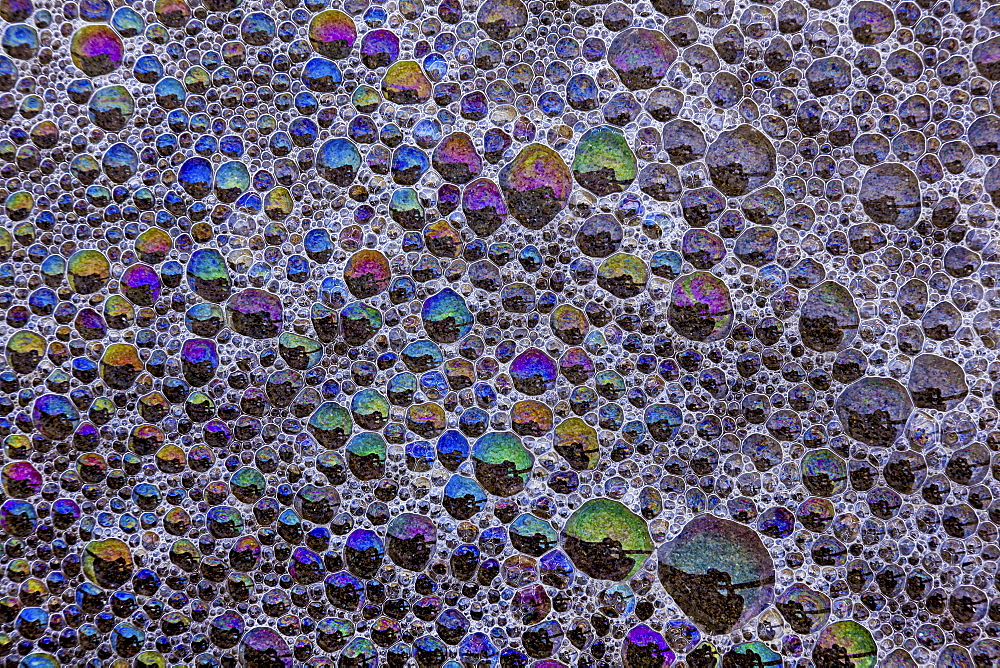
[[446, 316], [208, 275], [331, 425], [232, 179], [502, 463], [366, 456], [359, 322]]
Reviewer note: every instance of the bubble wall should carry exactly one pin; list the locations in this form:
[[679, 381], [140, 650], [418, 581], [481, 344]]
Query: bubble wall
[[499, 334]]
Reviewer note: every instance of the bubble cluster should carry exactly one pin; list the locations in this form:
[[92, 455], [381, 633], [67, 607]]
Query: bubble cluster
[[502, 333]]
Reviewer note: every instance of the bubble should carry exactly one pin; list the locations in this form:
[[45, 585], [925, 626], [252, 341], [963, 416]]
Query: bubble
[[937, 383], [846, 641], [502, 463], [874, 410], [718, 572], [890, 195], [641, 57], [829, 319], [502, 19], [108, 562], [410, 540], [111, 107], [604, 163], [740, 160], [88, 271], [456, 158], [405, 83], [536, 185], [338, 161], [645, 647], [263, 646], [97, 50], [446, 317], [700, 307], [254, 313], [606, 541]]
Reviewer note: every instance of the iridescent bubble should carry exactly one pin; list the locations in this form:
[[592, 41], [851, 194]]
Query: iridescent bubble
[[366, 456], [208, 275], [232, 179], [332, 33], [379, 48], [255, 313], [127, 22], [408, 165], [456, 158], [600, 235], [624, 275], [604, 162], [18, 518], [405, 83], [107, 563], [331, 424], [262, 646], [197, 176], [641, 57], [25, 349], [140, 284], [88, 271], [824, 473], [536, 185], [321, 75], [359, 322], [805, 609], [484, 206], [410, 540], [718, 572], [606, 541], [367, 273], [15, 11], [463, 497], [172, 13], [338, 161], [502, 463], [756, 653], [577, 443], [20, 41], [21, 480], [502, 19], [446, 317], [530, 418], [54, 416], [937, 382], [533, 372], [700, 307], [846, 643], [96, 50], [111, 107]]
